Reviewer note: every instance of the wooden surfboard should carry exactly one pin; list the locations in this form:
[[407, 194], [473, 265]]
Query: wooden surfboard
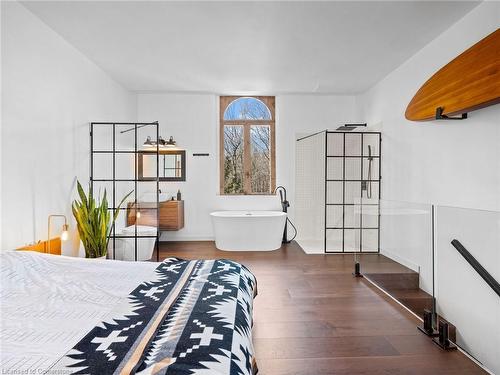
[[470, 81]]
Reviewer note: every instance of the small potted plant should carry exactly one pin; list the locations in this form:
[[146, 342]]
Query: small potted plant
[[94, 222]]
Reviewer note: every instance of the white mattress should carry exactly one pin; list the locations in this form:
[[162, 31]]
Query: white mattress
[[48, 303]]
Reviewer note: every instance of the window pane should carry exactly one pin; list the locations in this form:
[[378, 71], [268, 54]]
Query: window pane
[[260, 140], [247, 109], [233, 159]]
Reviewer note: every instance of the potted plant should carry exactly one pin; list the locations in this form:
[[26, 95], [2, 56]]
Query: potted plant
[[94, 222]]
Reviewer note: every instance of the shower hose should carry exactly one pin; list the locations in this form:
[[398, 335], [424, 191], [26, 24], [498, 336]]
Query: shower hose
[[295, 230]]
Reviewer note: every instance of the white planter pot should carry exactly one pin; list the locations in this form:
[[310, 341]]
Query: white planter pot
[[81, 252]]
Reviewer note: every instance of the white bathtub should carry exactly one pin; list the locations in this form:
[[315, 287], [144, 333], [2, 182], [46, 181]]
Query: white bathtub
[[125, 247], [248, 230]]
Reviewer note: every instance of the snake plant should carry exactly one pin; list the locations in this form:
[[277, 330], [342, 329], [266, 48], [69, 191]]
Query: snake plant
[[94, 221]]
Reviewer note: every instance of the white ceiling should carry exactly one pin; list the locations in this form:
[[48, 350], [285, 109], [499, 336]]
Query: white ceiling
[[249, 47]]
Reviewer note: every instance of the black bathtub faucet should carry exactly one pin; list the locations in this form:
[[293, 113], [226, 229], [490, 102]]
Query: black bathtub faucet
[[284, 203]]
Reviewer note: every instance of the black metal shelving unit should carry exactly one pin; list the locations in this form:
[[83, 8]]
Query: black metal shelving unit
[[131, 126]]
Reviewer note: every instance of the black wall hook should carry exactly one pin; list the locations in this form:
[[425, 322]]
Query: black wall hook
[[440, 116]]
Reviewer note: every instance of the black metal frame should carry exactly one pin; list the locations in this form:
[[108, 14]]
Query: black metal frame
[[134, 127], [344, 180], [181, 178]]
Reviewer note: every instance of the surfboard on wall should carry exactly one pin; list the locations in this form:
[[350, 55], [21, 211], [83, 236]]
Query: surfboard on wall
[[469, 82]]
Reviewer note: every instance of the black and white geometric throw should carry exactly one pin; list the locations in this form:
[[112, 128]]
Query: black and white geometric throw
[[191, 317]]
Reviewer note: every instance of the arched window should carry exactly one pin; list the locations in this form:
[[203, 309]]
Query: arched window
[[247, 145], [247, 108]]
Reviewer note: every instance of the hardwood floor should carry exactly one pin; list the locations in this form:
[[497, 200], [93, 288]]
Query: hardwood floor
[[312, 317]]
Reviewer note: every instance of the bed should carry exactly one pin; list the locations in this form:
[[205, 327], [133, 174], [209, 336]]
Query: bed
[[62, 315]]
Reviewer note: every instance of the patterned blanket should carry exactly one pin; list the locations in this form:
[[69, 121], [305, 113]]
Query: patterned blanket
[[192, 317]]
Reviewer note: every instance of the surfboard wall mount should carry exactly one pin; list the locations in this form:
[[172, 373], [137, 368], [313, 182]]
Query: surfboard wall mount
[[440, 116], [469, 82]]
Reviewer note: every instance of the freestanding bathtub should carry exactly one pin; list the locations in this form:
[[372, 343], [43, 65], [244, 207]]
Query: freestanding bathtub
[[248, 230]]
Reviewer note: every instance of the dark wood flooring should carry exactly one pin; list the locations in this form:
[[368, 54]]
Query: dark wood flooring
[[399, 281], [312, 317]]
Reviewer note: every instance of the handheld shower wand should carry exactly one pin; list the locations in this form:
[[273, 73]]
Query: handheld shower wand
[[369, 182]]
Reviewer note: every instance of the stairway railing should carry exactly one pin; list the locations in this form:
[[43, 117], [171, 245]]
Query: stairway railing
[[490, 280]]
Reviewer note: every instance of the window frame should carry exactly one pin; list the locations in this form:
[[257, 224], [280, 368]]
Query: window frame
[[224, 102]]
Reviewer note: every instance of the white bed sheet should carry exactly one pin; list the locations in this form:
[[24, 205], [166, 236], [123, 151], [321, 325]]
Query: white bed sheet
[[48, 303]]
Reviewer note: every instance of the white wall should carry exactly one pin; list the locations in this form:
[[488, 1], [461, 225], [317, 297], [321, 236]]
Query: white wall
[[193, 121], [50, 92], [443, 162], [455, 163], [463, 297]]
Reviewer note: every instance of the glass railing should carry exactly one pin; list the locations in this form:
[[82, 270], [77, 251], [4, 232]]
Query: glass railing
[[403, 266], [443, 264], [465, 272]]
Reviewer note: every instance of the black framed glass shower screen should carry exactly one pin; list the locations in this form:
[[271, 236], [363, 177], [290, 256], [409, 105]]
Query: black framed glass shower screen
[[352, 192], [115, 148]]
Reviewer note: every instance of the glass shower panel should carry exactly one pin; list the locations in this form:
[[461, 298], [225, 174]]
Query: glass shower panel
[[103, 138], [370, 216], [334, 240], [334, 216], [353, 144], [369, 240], [352, 192], [353, 184], [351, 216], [352, 168], [115, 147], [125, 137], [125, 166], [335, 144], [335, 169], [339, 171], [373, 141], [102, 165], [334, 192], [352, 238]]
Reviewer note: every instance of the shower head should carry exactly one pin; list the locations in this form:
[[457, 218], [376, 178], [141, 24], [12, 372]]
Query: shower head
[[349, 127]]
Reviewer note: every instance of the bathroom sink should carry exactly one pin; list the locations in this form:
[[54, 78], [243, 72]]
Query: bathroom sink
[[151, 197]]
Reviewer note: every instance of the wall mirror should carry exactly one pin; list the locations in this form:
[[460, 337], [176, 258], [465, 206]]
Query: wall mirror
[[172, 165]]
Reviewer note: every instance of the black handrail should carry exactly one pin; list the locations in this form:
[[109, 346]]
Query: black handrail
[[490, 280]]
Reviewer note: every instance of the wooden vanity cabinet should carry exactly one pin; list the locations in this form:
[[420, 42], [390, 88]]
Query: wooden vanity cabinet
[[171, 214]]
